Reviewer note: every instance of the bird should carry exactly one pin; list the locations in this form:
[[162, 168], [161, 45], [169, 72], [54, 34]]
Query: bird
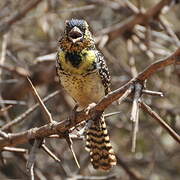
[[83, 73]]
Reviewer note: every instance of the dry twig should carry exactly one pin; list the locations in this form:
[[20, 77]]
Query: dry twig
[[5, 26], [28, 112], [70, 144], [135, 113], [130, 172], [140, 18], [164, 125], [13, 149], [42, 106], [52, 155], [80, 177], [32, 157]]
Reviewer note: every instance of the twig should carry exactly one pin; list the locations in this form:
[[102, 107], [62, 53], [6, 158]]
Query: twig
[[42, 106], [169, 31], [52, 155], [19, 71], [72, 136], [40, 74], [111, 114], [3, 161], [135, 114], [4, 135], [8, 81], [2, 110], [131, 6], [165, 126], [31, 170], [13, 149], [139, 4], [153, 93], [113, 59], [81, 8], [12, 102], [28, 112], [142, 46], [2, 60], [70, 144], [5, 26], [140, 18], [131, 173], [131, 58], [79, 177], [3, 52], [137, 94], [158, 65], [32, 157]]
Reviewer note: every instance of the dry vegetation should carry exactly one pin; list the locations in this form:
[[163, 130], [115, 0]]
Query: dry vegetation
[[36, 140]]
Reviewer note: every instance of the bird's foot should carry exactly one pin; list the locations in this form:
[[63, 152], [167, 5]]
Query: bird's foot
[[72, 116], [90, 106]]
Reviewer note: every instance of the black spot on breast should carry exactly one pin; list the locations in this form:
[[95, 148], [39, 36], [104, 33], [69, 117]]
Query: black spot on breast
[[74, 58]]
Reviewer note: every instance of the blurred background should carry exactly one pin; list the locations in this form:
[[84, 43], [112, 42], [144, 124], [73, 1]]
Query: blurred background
[[29, 34]]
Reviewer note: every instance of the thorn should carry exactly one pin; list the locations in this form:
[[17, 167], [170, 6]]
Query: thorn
[[153, 93], [32, 155], [72, 116], [52, 155], [135, 114], [69, 141], [41, 104]]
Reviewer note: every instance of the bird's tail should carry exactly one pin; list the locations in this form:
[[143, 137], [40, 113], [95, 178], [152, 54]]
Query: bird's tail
[[98, 144]]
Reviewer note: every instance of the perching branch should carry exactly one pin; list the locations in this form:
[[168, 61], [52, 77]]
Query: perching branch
[[63, 126]]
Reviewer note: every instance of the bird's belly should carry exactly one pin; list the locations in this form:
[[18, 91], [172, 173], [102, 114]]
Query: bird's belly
[[84, 89]]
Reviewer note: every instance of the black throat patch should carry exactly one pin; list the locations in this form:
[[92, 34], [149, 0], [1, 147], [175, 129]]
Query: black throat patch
[[74, 58]]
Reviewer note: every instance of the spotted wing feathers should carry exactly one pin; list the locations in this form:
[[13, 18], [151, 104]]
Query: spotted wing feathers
[[103, 71]]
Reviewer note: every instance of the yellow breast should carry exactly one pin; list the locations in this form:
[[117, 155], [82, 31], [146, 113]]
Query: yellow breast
[[87, 56], [83, 89]]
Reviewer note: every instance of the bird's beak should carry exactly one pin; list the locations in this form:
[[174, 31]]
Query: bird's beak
[[75, 35]]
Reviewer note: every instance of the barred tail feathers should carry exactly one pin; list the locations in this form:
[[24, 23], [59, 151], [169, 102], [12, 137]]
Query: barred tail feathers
[[98, 144]]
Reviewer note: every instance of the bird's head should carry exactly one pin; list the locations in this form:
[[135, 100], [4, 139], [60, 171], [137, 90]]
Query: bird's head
[[76, 35]]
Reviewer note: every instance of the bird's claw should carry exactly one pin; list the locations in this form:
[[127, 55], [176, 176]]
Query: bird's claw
[[90, 106], [72, 116]]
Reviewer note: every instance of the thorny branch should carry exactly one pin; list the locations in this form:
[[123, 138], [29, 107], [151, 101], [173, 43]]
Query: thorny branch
[[61, 127], [5, 26], [140, 18], [26, 113]]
